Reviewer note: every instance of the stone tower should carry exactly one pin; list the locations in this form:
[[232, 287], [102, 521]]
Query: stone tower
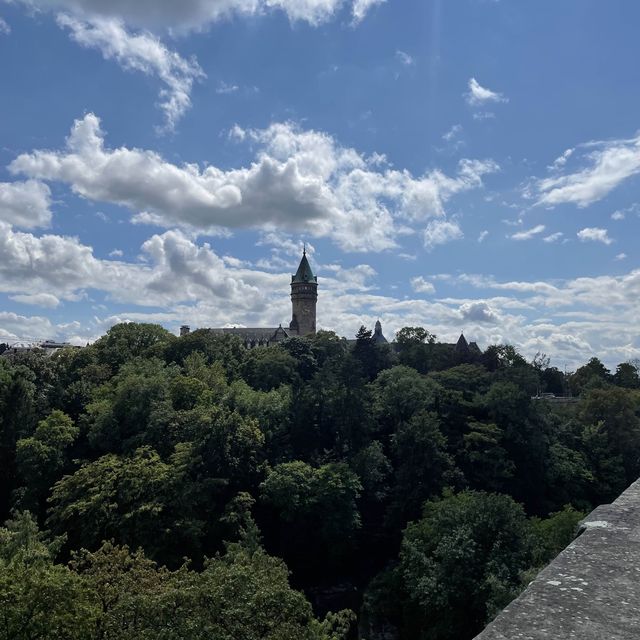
[[304, 295]]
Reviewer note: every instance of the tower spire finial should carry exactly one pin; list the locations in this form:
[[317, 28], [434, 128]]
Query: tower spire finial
[[304, 248]]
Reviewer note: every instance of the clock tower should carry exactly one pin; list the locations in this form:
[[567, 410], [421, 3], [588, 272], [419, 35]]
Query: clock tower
[[304, 295]]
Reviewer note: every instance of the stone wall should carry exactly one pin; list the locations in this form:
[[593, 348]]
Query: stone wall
[[591, 591]]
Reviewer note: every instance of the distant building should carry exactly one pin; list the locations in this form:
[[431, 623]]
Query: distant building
[[304, 296]]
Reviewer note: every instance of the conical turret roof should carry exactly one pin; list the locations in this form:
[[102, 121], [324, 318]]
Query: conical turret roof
[[304, 273]]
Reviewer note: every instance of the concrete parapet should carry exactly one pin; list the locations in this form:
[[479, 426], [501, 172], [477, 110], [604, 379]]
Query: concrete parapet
[[591, 590]]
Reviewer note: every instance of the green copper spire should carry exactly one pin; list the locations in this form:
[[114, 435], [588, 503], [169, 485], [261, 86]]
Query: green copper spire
[[304, 273]]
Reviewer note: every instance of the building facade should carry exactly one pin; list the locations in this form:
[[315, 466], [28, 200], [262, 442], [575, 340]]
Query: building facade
[[304, 297]]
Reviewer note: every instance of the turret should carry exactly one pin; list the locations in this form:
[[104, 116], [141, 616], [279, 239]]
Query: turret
[[304, 295]]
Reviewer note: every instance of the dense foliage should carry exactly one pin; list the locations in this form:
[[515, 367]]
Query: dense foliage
[[163, 487]]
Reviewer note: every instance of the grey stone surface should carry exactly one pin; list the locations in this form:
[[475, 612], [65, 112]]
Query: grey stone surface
[[591, 590]]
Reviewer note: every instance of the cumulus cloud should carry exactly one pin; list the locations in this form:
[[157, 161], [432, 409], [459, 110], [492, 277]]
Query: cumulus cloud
[[478, 311], [621, 256], [483, 236], [141, 52], [182, 281], [299, 181], [441, 232], [360, 8], [608, 164], [594, 234], [5, 29], [47, 300], [420, 285], [25, 204], [479, 95], [198, 14], [529, 233]]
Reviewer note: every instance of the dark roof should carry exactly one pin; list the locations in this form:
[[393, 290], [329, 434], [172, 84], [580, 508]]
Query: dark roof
[[254, 333], [304, 273], [378, 335], [462, 344]]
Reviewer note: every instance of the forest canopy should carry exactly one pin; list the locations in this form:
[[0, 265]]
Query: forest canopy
[[161, 487]]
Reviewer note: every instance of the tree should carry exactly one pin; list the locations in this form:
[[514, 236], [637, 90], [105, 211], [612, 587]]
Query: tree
[[485, 462], [461, 563], [42, 457], [267, 369], [423, 467], [592, 375], [415, 348], [400, 393], [626, 375], [138, 500], [617, 410], [17, 420], [129, 340], [39, 599], [317, 509], [372, 356]]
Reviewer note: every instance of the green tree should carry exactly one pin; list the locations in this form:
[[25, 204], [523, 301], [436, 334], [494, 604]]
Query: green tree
[[41, 458], [267, 369], [626, 375], [137, 499], [39, 600], [423, 466], [617, 410], [593, 375], [461, 563], [485, 462], [317, 508], [129, 340]]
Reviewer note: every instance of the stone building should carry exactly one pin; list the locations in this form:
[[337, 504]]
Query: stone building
[[304, 296]]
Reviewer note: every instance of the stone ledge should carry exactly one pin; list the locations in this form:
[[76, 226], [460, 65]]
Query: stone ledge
[[591, 590]]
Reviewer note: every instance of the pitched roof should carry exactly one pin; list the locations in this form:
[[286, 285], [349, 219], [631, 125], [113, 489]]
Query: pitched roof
[[254, 334], [304, 273]]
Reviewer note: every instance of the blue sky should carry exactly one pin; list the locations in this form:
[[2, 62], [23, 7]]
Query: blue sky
[[463, 165]]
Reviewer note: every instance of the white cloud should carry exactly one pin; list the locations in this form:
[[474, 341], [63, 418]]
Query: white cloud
[[618, 215], [360, 8], [484, 115], [440, 232], [17, 327], [25, 204], [5, 29], [299, 181], [199, 14], [478, 311], [224, 88], [116, 253], [621, 256], [554, 237], [561, 160], [39, 299], [610, 164], [453, 133], [529, 233], [420, 285], [483, 236], [405, 58], [594, 234], [140, 52], [479, 95], [190, 283]]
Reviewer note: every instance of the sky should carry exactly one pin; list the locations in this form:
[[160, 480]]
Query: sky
[[462, 165]]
